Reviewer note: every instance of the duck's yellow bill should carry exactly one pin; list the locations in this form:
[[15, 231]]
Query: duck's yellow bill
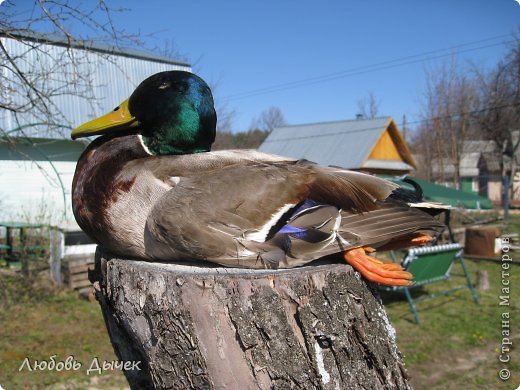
[[118, 119]]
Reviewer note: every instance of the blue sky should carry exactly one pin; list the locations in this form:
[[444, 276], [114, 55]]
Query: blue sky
[[245, 46]]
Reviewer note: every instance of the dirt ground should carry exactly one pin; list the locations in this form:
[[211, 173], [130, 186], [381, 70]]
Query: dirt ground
[[450, 372]]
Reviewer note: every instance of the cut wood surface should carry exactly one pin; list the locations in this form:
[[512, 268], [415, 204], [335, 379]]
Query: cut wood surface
[[204, 327]]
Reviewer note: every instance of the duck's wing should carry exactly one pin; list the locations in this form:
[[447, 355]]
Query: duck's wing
[[231, 210]]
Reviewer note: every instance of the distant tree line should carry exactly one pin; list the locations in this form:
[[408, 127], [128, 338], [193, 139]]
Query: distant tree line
[[257, 133], [250, 139]]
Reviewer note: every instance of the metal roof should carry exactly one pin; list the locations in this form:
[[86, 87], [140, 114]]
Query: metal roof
[[40, 149], [342, 143], [89, 45]]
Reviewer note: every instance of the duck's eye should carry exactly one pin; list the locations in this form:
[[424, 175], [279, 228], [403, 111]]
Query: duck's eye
[[164, 85]]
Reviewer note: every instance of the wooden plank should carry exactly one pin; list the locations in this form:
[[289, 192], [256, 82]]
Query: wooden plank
[[75, 270], [69, 277], [77, 261], [56, 255], [74, 278], [80, 276], [79, 284], [77, 277], [79, 268]]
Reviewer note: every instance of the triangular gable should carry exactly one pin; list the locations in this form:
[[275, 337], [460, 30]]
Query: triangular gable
[[385, 148], [391, 146]]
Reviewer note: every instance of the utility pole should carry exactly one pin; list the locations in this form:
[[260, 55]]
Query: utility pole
[[505, 196], [404, 127]]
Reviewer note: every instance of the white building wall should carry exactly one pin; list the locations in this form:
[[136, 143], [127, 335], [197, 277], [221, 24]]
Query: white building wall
[[32, 192]]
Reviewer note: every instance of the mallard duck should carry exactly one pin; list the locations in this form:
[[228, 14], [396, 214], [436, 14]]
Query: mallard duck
[[150, 188]]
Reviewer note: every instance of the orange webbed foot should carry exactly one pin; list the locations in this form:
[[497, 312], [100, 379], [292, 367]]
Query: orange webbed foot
[[388, 274], [420, 239]]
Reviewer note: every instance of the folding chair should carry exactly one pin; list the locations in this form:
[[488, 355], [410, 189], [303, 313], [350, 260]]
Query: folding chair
[[429, 265]]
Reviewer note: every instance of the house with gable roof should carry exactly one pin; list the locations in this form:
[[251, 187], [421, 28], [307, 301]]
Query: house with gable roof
[[370, 145]]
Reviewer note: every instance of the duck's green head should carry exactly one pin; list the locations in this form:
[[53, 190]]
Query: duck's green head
[[173, 111]]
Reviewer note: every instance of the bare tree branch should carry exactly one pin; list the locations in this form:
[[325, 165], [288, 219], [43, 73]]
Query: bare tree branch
[[269, 119], [499, 120], [450, 98], [368, 106]]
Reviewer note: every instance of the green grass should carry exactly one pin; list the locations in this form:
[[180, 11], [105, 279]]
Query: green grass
[[38, 321], [457, 344], [512, 225]]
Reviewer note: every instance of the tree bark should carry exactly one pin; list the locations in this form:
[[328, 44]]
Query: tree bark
[[205, 327]]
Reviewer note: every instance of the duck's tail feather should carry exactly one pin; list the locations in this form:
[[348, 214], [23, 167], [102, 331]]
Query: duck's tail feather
[[391, 221], [408, 196]]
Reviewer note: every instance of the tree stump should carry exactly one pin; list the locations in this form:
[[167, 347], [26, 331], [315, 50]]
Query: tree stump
[[207, 327]]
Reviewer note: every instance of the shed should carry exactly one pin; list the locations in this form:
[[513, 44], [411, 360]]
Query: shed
[[370, 145]]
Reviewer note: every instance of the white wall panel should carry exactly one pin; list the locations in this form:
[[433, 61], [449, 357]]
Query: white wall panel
[[31, 191]]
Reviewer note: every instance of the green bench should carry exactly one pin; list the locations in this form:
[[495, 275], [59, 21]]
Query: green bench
[[430, 265]]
